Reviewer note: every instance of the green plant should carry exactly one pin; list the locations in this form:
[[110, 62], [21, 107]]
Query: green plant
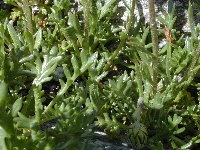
[[107, 70]]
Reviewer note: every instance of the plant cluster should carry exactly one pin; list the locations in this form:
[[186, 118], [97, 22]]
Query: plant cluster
[[69, 60]]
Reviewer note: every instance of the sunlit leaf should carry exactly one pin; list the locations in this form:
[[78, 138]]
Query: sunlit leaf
[[38, 38], [29, 40], [16, 107], [91, 60], [13, 35], [105, 9]]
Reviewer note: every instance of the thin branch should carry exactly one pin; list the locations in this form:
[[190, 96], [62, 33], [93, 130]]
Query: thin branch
[[154, 36]]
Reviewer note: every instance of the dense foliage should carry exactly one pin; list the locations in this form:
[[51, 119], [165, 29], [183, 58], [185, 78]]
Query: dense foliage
[[72, 62]]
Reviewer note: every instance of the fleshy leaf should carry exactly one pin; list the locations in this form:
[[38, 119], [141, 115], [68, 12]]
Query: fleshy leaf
[[157, 102], [106, 8], [91, 60], [38, 38], [24, 122], [13, 35], [16, 107], [29, 40], [175, 121]]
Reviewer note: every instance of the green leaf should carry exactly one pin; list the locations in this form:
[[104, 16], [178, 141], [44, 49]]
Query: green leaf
[[28, 105], [54, 51], [161, 20], [139, 79], [94, 20], [100, 77], [51, 62], [197, 141], [27, 13], [157, 101], [45, 69], [55, 31], [66, 72], [145, 34], [17, 106], [175, 121], [180, 59], [62, 83], [159, 146], [3, 95], [29, 40], [120, 82], [3, 135], [137, 44], [38, 39], [13, 35], [76, 67], [24, 122], [83, 55], [164, 13], [38, 62], [171, 7], [73, 20], [187, 146], [90, 61], [191, 21], [55, 13], [128, 86], [178, 131], [106, 8], [26, 58], [101, 64]]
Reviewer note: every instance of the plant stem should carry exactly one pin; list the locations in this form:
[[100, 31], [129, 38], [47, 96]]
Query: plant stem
[[116, 52], [169, 51], [154, 36], [38, 102], [130, 20]]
